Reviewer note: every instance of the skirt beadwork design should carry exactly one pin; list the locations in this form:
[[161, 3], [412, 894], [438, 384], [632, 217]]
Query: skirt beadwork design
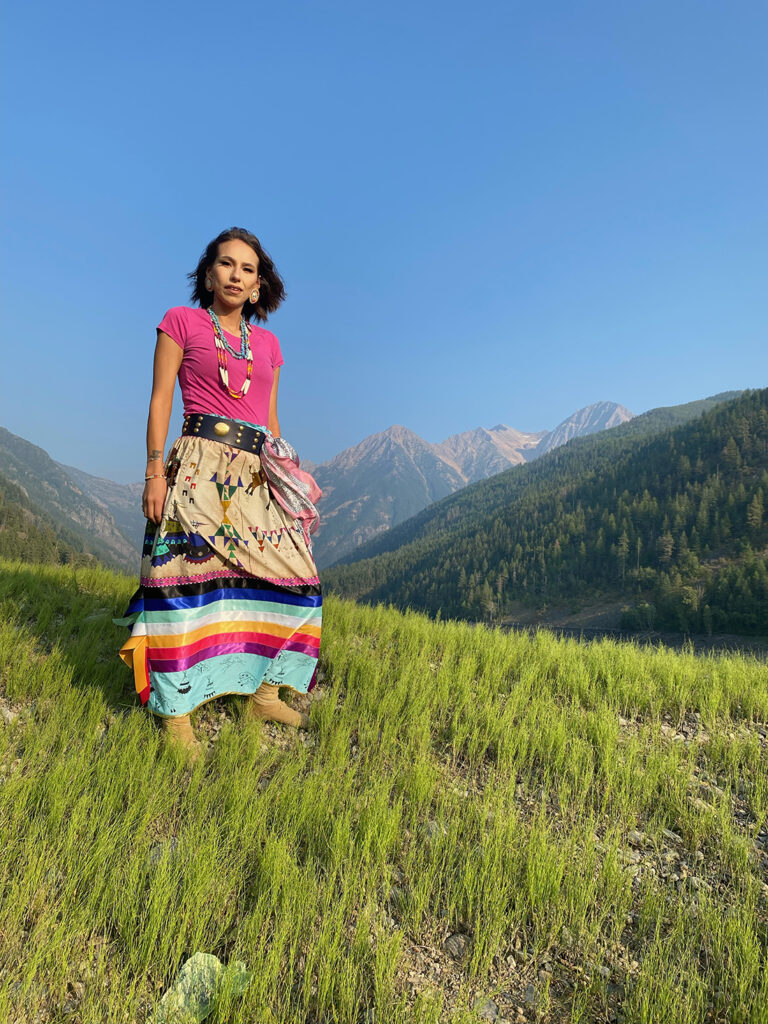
[[229, 594]]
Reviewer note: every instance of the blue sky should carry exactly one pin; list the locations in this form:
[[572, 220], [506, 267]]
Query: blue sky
[[484, 213]]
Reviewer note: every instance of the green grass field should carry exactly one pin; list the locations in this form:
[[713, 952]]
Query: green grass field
[[477, 825]]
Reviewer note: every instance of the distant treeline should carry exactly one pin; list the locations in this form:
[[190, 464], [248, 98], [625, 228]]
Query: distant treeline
[[28, 536], [676, 522]]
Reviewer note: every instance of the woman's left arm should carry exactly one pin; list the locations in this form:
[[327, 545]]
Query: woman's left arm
[[274, 423]]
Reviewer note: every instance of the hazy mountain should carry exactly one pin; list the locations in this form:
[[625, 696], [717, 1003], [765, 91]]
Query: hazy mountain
[[28, 535], [50, 489], [371, 486], [499, 490], [665, 509], [392, 475], [479, 453], [122, 501], [591, 419]]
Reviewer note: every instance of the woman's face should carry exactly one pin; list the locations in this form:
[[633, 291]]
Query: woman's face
[[234, 273]]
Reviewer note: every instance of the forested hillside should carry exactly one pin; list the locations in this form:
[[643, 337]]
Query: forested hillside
[[675, 522], [494, 494], [63, 502], [390, 476], [32, 537]]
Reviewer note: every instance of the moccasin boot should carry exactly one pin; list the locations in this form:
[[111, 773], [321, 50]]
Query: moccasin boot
[[266, 703], [178, 732]]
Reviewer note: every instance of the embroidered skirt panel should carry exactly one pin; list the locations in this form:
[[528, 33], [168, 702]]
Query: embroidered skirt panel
[[229, 594]]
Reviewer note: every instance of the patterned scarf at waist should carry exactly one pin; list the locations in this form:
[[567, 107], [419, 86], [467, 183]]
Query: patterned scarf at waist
[[293, 488]]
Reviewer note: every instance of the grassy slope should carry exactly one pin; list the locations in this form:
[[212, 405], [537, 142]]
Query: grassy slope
[[454, 780]]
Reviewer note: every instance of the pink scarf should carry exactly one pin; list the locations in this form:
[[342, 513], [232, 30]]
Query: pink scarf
[[293, 488]]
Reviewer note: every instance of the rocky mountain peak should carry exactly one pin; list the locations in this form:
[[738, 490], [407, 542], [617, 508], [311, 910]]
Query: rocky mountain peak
[[393, 474], [590, 419]]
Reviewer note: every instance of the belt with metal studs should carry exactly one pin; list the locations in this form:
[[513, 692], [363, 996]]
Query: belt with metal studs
[[213, 428]]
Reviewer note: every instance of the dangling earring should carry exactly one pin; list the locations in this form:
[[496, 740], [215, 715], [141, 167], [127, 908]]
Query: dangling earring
[[255, 296], [208, 287]]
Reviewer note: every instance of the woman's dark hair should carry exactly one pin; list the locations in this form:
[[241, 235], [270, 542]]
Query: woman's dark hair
[[271, 288]]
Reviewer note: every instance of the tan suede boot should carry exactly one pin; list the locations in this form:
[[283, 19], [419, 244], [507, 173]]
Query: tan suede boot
[[265, 703], [178, 732]]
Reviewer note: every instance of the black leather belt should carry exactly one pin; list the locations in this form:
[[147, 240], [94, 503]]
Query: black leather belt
[[216, 428]]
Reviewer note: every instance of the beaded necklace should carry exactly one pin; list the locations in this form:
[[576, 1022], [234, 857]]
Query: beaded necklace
[[223, 346]]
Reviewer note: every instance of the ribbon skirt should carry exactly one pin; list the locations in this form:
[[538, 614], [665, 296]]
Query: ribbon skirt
[[229, 594]]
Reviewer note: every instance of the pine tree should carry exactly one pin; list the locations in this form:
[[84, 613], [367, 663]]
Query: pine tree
[[665, 546], [622, 550], [755, 510], [731, 453]]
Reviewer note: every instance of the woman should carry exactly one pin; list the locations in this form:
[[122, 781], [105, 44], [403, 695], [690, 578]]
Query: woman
[[229, 599]]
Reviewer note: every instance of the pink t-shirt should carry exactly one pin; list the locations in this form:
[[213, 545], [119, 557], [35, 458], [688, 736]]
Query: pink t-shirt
[[201, 386]]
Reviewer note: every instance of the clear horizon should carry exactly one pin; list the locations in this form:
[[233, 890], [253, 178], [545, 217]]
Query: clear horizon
[[500, 218]]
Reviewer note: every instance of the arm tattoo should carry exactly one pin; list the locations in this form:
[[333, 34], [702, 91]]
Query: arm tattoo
[[154, 455]]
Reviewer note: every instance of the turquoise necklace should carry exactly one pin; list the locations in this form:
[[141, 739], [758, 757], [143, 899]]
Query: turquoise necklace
[[223, 346], [245, 348]]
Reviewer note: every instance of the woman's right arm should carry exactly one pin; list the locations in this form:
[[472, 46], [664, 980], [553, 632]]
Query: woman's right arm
[[167, 362]]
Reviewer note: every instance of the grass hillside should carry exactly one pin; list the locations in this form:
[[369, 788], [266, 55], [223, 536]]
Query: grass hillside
[[477, 826]]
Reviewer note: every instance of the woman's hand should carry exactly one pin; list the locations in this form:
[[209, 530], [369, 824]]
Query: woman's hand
[[153, 499]]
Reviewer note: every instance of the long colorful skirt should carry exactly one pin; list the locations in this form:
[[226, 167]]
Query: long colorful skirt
[[229, 594]]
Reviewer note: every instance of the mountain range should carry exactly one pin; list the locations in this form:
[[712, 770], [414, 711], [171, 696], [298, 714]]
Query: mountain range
[[59, 494], [660, 518], [664, 516], [392, 475], [367, 488]]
